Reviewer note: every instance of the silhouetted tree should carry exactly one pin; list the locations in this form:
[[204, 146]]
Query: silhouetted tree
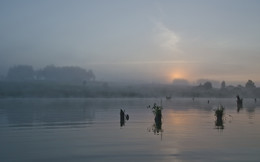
[[91, 75], [71, 74], [20, 73], [223, 85], [207, 85], [250, 84]]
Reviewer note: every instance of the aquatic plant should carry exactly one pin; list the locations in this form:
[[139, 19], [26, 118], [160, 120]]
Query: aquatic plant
[[156, 109], [219, 112]]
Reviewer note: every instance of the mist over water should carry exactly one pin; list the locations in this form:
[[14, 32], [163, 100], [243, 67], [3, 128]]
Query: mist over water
[[129, 80], [89, 129]]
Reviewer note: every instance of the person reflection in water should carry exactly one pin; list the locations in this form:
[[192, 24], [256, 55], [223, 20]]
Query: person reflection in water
[[219, 114], [123, 117], [239, 102]]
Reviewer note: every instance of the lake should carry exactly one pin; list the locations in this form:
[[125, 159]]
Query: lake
[[90, 130]]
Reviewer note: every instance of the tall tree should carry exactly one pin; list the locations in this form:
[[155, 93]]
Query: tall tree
[[223, 85], [71, 74], [21, 73], [250, 84], [207, 85]]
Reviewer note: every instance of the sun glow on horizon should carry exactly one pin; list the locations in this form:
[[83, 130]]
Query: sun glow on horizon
[[178, 74]]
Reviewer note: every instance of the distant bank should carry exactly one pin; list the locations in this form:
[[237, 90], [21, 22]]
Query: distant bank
[[96, 89]]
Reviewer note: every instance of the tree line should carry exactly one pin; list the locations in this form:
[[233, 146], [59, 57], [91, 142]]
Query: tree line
[[67, 74], [25, 81]]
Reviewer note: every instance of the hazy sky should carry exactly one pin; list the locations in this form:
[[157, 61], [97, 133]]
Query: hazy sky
[[135, 40]]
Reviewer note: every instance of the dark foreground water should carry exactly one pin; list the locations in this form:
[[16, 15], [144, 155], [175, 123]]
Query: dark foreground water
[[89, 130]]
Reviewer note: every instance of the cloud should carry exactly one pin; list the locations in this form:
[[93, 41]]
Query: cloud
[[166, 38]]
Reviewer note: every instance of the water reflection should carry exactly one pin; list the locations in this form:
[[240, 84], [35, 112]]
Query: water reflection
[[239, 103], [186, 127], [238, 108], [250, 109], [47, 113], [219, 124], [157, 127], [219, 114]]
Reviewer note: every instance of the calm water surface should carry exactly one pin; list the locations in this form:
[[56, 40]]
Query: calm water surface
[[89, 130]]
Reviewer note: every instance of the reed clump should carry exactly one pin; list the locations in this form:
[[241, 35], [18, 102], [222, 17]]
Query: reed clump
[[219, 112]]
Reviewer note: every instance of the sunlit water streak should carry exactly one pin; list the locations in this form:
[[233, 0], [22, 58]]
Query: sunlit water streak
[[89, 130]]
